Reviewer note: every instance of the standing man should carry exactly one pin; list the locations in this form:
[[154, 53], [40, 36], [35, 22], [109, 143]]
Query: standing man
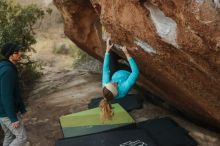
[[12, 107]]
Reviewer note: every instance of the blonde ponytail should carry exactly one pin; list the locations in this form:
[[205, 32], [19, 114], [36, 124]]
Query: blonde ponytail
[[106, 110]]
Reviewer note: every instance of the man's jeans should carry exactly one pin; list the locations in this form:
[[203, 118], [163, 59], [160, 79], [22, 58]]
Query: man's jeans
[[13, 136]]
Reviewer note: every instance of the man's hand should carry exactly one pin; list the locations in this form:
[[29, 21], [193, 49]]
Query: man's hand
[[124, 49], [16, 124], [108, 45]]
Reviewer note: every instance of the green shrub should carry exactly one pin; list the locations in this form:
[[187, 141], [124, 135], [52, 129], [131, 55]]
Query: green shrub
[[84, 61], [63, 48], [17, 25], [29, 72], [81, 60], [80, 57]]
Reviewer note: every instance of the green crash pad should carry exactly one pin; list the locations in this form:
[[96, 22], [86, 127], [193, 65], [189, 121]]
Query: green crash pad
[[88, 122]]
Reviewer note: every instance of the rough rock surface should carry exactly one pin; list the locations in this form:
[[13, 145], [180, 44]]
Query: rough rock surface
[[177, 45]]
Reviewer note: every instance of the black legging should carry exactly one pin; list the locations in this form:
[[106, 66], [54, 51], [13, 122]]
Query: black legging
[[115, 65]]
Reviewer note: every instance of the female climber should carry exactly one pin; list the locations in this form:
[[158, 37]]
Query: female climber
[[117, 80]]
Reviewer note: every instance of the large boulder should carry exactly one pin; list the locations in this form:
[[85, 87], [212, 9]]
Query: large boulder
[[176, 44]]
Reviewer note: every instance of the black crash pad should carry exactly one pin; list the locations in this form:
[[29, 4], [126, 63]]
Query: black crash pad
[[129, 103], [155, 132], [133, 137], [166, 132]]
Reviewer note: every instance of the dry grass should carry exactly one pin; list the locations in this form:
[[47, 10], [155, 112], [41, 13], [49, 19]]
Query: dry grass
[[44, 47], [54, 50]]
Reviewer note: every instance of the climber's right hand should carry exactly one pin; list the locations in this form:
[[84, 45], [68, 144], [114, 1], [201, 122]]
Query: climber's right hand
[[108, 44]]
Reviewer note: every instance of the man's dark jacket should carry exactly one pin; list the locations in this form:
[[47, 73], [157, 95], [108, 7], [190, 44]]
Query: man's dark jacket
[[10, 98]]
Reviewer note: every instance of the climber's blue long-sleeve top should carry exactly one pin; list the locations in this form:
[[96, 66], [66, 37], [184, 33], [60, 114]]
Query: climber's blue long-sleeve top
[[123, 78]]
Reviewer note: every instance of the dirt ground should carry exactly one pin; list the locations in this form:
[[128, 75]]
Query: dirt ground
[[64, 93]]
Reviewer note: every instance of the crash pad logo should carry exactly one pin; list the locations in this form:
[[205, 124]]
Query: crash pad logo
[[134, 143]]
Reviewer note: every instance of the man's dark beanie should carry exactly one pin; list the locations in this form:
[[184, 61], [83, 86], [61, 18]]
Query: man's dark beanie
[[9, 48]]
